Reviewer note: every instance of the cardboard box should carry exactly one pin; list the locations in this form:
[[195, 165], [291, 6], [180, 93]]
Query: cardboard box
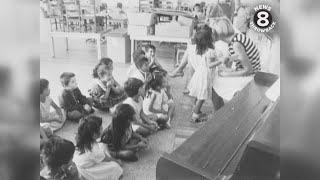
[[173, 29], [140, 30], [141, 19]]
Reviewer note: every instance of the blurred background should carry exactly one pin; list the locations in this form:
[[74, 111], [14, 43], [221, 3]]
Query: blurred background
[[300, 86]]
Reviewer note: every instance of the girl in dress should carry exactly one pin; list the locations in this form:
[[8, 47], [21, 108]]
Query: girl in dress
[[106, 91], [92, 158], [157, 102], [122, 141], [202, 57]]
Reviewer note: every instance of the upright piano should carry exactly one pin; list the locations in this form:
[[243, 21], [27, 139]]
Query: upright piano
[[240, 141]]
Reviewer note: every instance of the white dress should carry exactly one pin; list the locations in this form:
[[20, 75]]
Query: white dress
[[92, 167], [201, 82]]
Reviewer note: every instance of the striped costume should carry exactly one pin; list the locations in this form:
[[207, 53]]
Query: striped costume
[[251, 50]]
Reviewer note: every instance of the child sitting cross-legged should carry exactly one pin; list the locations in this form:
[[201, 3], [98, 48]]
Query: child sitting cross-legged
[[57, 155], [142, 124], [157, 102], [106, 92], [92, 157], [72, 101], [51, 120], [122, 142]]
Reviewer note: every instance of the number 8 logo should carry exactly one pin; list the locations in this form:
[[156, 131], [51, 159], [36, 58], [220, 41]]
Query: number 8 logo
[[263, 19]]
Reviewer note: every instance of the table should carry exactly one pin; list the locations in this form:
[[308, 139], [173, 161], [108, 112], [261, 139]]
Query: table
[[76, 35], [156, 38]]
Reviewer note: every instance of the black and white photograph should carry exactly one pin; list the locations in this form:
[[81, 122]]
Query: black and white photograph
[[159, 90]]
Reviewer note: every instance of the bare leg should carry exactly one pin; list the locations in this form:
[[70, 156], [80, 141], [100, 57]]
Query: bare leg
[[197, 107], [170, 114]]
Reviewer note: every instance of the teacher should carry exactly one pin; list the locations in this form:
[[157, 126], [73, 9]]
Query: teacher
[[243, 53]]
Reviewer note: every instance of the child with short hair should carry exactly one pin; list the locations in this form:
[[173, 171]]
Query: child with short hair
[[92, 158], [122, 142], [157, 102], [48, 119], [57, 155], [142, 124], [142, 69], [106, 91], [72, 101]]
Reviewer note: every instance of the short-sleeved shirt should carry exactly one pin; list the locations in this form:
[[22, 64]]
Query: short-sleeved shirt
[[250, 49]]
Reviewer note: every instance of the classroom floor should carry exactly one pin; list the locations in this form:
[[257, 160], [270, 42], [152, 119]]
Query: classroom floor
[[81, 59]]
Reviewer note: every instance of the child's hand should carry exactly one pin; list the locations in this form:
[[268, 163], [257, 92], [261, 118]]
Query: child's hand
[[110, 83], [87, 107]]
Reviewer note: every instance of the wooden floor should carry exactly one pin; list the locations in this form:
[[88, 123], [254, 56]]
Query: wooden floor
[[81, 59]]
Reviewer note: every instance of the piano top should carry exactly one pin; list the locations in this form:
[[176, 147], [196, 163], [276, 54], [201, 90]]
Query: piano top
[[217, 147]]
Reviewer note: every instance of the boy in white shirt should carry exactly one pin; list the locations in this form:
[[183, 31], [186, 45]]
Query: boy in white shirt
[[143, 124]]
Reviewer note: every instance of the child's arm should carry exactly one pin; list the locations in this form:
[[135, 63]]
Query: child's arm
[[213, 62], [150, 107], [243, 57], [57, 108], [105, 96], [83, 99]]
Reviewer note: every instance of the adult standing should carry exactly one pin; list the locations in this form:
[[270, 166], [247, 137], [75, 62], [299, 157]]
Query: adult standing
[[244, 54]]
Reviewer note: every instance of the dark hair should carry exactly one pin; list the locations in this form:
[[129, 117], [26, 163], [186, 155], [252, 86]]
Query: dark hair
[[104, 61], [203, 39], [44, 84], [65, 78], [197, 4], [120, 123], [141, 61], [57, 152], [150, 46], [132, 86], [155, 81], [138, 54], [86, 130]]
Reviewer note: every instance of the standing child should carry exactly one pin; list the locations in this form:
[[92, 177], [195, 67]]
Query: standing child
[[72, 101], [57, 154], [48, 119], [142, 124], [157, 102], [203, 59], [122, 142], [106, 92], [92, 158]]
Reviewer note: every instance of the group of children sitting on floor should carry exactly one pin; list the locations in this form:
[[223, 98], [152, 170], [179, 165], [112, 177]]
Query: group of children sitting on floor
[[141, 107]]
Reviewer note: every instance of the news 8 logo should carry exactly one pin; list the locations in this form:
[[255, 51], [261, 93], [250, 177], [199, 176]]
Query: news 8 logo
[[262, 20]]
